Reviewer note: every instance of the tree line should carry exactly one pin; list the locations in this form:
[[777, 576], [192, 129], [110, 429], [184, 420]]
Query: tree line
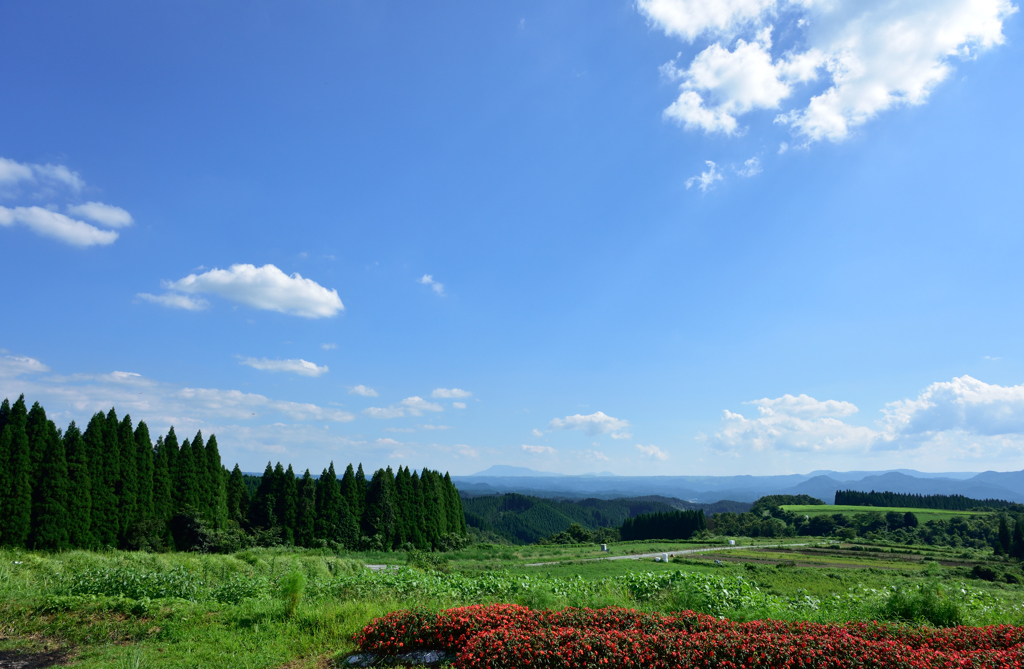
[[663, 525], [111, 486], [919, 501]]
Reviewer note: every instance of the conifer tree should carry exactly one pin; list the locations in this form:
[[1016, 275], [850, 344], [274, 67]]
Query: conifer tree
[[217, 481], [128, 478], [38, 435], [144, 465], [163, 502], [359, 497], [305, 517], [350, 492], [104, 502], [173, 451], [328, 505], [50, 499], [264, 502], [287, 504], [456, 518], [237, 496], [5, 413], [1017, 546], [202, 473], [16, 497], [112, 476], [381, 515], [79, 490], [187, 486], [420, 532]]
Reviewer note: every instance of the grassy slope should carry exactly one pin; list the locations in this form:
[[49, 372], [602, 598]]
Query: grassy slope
[[923, 515]]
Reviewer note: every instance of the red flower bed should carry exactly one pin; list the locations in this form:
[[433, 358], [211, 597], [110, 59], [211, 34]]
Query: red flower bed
[[504, 636]]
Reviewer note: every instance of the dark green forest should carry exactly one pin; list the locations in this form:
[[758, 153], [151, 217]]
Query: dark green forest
[[524, 519], [663, 525], [918, 501], [111, 486]]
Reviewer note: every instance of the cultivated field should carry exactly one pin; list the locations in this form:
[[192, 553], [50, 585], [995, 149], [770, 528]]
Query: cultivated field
[[294, 608], [923, 515]]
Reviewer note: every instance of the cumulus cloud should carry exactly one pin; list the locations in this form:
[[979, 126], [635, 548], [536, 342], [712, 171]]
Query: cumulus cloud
[[410, 406], [591, 455], [705, 180], [652, 452], [175, 301], [428, 280], [450, 393], [546, 450], [592, 424], [960, 420], [458, 405], [874, 55], [295, 366], [104, 214], [16, 365], [537, 433], [751, 167], [56, 226], [362, 390], [11, 171], [265, 287]]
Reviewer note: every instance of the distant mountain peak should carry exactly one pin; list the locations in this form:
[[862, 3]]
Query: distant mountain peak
[[509, 470]]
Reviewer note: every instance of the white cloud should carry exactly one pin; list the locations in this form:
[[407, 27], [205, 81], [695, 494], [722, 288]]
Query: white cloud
[[428, 280], [731, 82], [537, 433], [362, 390], [11, 171], [705, 180], [328, 347], [428, 426], [406, 430], [410, 406], [458, 405], [60, 174], [104, 214], [296, 366], [16, 365], [591, 455], [751, 167], [804, 406], [874, 54], [652, 452], [450, 393], [467, 451], [175, 301], [57, 226], [547, 450], [691, 18], [963, 420], [386, 441], [593, 424], [236, 404], [265, 287]]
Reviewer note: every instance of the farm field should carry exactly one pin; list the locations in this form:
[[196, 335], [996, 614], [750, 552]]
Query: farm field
[[923, 515], [301, 608]]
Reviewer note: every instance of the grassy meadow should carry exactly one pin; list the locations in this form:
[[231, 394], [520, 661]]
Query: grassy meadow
[[300, 608], [923, 515]]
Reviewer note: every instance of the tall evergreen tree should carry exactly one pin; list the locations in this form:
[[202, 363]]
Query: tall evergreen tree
[[144, 466], [128, 478], [218, 502], [262, 512], [173, 451], [5, 413], [456, 518], [104, 501], [381, 515], [359, 496], [202, 474], [328, 505], [1004, 535], [16, 516], [420, 532], [287, 502], [350, 492], [50, 498], [112, 473], [237, 496], [38, 435], [1017, 546], [187, 484], [163, 501], [305, 516], [79, 490]]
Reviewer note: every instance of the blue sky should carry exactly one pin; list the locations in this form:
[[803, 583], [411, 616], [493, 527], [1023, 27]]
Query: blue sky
[[662, 237]]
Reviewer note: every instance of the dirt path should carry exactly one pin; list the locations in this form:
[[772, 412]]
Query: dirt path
[[690, 551]]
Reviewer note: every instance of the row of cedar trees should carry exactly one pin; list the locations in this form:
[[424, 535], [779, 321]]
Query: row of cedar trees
[[390, 511], [919, 501], [663, 525], [110, 486]]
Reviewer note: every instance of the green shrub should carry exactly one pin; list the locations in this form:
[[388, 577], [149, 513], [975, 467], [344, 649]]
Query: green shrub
[[290, 587]]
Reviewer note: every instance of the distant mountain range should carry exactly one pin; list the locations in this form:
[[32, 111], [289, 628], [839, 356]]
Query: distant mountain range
[[705, 489]]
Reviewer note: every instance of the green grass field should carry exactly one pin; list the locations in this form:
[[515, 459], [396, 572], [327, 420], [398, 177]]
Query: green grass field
[[923, 515], [141, 610]]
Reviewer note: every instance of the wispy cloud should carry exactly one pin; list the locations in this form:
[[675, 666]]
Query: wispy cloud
[[545, 450], [175, 301], [294, 366], [592, 424], [363, 391], [56, 226], [450, 393], [410, 406], [705, 180], [428, 280], [104, 214], [652, 452]]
